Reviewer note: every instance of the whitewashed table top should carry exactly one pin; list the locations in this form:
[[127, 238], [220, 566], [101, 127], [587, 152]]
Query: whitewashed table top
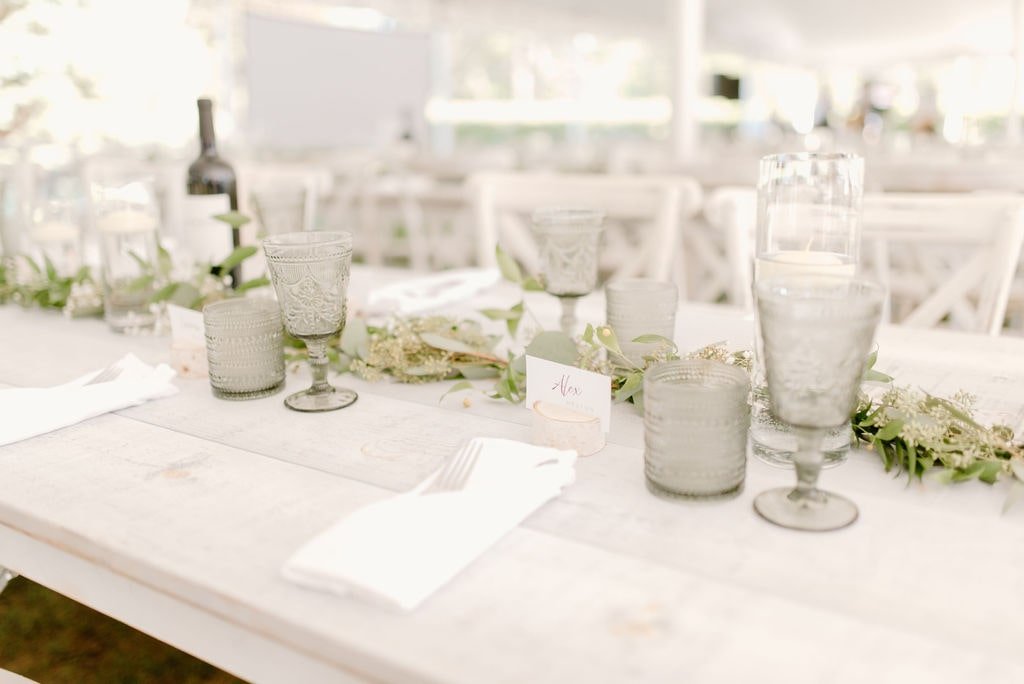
[[204, 499]]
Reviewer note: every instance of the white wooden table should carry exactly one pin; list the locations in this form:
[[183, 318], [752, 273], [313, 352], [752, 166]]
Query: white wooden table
[[175, 517]]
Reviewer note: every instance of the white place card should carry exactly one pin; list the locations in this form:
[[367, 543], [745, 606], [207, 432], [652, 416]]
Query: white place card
[[571, 387], [186, 325]]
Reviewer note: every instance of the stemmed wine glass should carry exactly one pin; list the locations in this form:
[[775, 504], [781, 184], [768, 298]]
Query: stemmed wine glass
[[817, 333], [568, 243], [310, 272]]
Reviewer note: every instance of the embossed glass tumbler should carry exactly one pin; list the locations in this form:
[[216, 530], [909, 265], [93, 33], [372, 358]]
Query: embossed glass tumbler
[[817, 333], [696, 421], [640, 306], [808, 222], [310, 272], [244, 348], [568, 241]]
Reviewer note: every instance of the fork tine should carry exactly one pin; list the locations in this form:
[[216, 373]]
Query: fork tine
[[469, 463], [456, 470], [106, 375]]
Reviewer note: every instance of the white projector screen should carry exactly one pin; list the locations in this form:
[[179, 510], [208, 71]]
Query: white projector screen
[[318, 86]]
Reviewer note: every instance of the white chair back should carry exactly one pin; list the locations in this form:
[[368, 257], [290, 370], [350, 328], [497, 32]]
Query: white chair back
[[946, 259], [503, 203]]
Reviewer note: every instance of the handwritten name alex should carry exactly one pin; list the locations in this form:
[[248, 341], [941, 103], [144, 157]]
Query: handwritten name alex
[[565, 387]]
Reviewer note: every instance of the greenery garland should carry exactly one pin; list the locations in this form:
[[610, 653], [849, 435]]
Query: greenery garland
[[911, 431]]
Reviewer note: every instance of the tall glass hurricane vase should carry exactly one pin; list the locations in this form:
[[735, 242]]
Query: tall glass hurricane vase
[[808, 222], [310, 272], [568, 241], [817, 332]]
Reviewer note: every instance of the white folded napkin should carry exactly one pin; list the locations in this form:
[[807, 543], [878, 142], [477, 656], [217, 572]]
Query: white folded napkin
[[399, 551], [31, 411], [431, 292]]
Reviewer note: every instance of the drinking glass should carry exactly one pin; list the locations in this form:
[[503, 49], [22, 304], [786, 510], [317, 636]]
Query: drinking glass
[[696, 420], [127, 217], [817, 333], [568, 243], [244, 348], [310, 272], [808, 222], [640, 306]]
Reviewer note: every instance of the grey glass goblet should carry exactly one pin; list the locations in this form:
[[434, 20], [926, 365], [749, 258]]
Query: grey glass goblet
[[568, 242], [310, 272], [817, 333]]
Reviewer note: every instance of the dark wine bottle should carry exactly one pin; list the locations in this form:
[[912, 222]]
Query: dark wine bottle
[[212, 190]]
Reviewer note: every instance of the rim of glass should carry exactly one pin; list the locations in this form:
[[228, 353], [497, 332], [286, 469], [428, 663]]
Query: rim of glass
[[568, 216], [671, 372], [641, 285], [310, 237], [811, 156], [239, 308]]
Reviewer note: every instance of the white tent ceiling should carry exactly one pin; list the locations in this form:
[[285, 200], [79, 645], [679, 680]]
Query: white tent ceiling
[[856, 32]]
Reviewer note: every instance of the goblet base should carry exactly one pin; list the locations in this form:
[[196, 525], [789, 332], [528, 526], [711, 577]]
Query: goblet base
[[308, 401], [820, 512]]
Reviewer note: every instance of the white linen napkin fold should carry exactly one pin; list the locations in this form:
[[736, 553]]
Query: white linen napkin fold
[[31, 411], [431, 292], [399, 551]]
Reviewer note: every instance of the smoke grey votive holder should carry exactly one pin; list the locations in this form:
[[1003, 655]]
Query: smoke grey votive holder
[[244, 348], [696, 419], [640, 306]]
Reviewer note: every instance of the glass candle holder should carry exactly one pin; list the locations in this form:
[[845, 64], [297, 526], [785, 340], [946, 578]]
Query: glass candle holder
[[640, 306], [244, 348], [808, 223], [568, 241], [696, 420], [127, 218]]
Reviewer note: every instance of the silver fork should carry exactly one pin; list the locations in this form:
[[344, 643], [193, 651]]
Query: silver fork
[[455, 473], [106, 375]]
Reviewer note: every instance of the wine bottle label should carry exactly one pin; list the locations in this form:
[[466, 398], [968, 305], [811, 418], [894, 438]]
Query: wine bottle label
[[206, 239]]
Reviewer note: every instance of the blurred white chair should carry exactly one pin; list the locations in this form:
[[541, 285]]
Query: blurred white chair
[[731, 213], [503, 202], [947, 259]]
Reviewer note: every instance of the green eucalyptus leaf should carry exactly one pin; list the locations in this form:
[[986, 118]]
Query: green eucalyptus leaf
[[533, 284], [990, 472], [236, 257], [508, 266], [355, 339], [634, 383], [187, 295], [500, 314], [518, 364], [448, 344], [234, 219], [553, 345], [654, 339], [253, 284], [51, 270], [889, 431], [607, 338], [460, 386], [476, 371], [164, 293]]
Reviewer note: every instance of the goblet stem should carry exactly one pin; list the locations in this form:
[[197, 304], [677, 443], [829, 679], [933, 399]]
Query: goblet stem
[[568, 320], [807, 459], [317, 349]]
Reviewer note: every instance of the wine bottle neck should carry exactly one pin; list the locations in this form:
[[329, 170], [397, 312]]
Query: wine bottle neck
[[207, 139]]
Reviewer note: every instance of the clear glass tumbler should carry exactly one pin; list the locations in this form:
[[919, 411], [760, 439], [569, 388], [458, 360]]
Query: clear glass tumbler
[[568, 241], [808, 223], [640, 306], [244, 348], [696, 421], [127, 217]]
